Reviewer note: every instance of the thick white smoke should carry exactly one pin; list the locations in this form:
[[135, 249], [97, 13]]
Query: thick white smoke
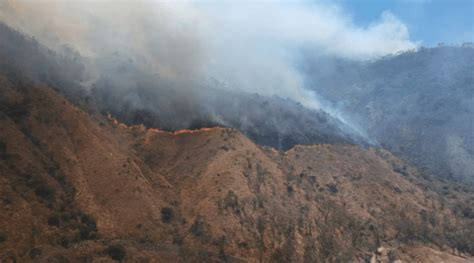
[[249, 45], [252, 46], [255, 44]]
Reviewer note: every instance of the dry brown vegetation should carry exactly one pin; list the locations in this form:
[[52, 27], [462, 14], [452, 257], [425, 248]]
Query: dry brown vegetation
[[76, 187]]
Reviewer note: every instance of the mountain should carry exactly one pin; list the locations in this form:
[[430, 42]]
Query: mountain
[[77, 186], [95, 166], [419, 105], [119, 85]]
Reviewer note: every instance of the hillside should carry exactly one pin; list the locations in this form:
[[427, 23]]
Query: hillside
[[81, 187], [419, 105], [121, 86]]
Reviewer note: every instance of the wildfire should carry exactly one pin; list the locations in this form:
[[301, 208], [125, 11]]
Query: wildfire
[[192, 131], [116, 122], [142, 127]]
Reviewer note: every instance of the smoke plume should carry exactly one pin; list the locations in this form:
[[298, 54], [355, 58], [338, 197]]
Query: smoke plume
[[189, 47]]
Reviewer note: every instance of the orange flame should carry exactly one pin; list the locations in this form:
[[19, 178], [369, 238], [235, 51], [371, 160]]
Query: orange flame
[[142, 127], [183, 131]]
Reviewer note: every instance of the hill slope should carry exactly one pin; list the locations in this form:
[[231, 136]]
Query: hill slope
[[121, 86], [81, 187], [419, 105]]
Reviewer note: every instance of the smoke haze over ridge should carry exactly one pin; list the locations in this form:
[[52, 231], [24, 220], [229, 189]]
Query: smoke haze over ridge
[[250, 46], [191, 45]]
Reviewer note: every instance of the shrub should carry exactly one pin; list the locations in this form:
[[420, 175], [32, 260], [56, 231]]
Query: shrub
[[332, 188], [64, 241], [88, 221], [200, 229], [44, 191], [167, 215], [88, 229], [222, 256], [35, 252], [401, 170], [116, 252], [3, 151], [231, 201], [464, 210], [290, 189], [312, 179], [66, 216], [53, 220], [178, 240], [243, 244], [397, 190], [261, 175], [3, 237], [278, 256], [18, 111]]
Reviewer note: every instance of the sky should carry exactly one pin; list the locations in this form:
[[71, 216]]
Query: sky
[[429, 21]]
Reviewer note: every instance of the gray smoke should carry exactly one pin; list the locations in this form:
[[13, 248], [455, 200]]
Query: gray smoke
[[189, 47]]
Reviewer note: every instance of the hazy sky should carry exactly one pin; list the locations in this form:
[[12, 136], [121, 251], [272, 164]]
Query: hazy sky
[[428, 21]]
